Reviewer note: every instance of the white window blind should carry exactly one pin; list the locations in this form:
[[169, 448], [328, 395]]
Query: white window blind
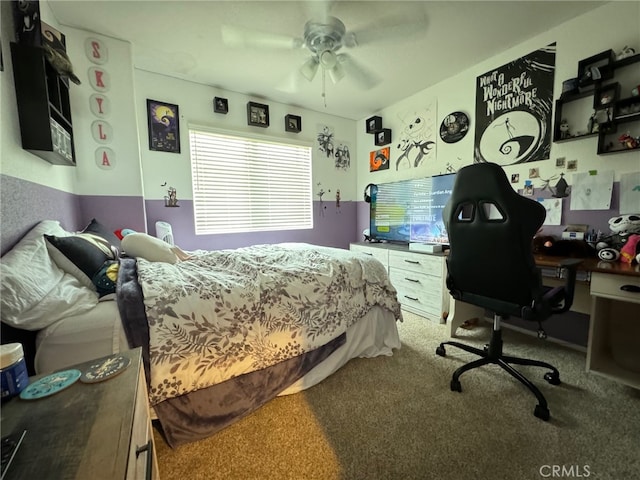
[[249, 185]]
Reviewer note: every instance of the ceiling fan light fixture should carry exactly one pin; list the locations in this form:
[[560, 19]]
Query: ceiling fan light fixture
[[309, 68]]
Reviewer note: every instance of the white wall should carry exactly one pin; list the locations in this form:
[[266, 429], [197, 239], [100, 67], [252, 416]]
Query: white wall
[[611, 26], [195, 102], [124, 177]]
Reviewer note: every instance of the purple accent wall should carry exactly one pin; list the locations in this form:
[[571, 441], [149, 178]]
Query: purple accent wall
[[596, 219], [331, 228], [23, 204], [114, 212]]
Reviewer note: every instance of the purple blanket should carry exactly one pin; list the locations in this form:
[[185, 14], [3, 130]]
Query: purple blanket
[[203, 412]]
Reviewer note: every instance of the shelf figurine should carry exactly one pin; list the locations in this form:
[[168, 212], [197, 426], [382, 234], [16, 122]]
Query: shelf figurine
[[564, 129]]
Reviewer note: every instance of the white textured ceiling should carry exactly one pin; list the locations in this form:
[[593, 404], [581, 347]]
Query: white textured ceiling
[[183, 39]]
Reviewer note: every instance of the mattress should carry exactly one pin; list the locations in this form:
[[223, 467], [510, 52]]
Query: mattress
[[99, 332]]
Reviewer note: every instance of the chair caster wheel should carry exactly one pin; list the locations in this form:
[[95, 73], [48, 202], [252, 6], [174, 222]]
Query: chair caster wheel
[[541, 412], [552, 377], [485, 348], [441, 351], [455, 386]]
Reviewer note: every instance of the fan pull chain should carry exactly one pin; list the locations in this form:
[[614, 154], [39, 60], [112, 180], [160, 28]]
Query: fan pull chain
[[324, 95]]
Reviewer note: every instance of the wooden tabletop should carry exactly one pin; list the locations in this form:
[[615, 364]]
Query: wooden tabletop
[[591, 265]]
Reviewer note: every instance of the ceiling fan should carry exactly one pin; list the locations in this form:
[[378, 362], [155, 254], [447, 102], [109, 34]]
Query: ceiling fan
[[325, 37]]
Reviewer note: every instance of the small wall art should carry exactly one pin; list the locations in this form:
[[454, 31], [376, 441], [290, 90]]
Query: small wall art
[[293, 123], [383, 137], [257, 114], [220, 105], [164, 127], [379, 159], [374, 124]]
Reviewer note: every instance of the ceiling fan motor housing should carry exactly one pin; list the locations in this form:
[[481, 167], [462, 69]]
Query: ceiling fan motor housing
[[325, 36]]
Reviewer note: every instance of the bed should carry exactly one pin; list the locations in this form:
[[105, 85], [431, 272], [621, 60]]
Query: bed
[[222, 332]]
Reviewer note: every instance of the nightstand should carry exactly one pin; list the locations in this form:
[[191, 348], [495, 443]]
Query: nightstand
[[88, 430]]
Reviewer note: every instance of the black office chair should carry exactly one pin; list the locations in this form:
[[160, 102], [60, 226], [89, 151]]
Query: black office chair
[[491, 265]]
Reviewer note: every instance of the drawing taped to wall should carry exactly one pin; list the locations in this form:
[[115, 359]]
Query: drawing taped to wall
[[342, 156], [325, 138], [513, 110], [417, 138]]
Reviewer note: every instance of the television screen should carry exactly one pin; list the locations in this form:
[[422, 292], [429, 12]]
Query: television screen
[[410, 210]]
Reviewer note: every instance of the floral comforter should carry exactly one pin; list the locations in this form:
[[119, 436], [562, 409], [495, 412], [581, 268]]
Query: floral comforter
[[225, 313]]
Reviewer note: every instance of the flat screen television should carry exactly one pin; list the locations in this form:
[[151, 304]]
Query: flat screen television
[[410, 210]]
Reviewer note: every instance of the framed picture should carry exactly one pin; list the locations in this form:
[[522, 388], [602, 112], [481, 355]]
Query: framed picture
[[383, 137], [374, 124], [164, 126], [293, 123], [257, 114], [220, 105]]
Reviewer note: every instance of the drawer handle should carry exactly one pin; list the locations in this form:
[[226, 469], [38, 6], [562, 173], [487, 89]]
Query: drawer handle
[[415, 262], [411, 298], [367, 253], [412, 280], [149, 449], [630, 288]]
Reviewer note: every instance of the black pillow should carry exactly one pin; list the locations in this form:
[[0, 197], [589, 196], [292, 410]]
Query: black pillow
[[99, 229], [83, 254]]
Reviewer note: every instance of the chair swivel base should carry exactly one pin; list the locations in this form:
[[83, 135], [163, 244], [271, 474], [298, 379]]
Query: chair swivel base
[[492, 353]]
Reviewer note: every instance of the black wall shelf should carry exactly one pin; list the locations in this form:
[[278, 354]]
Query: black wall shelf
[[618, 110], [44, 110]]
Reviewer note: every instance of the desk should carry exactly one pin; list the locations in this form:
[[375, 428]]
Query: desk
[[614, 323]]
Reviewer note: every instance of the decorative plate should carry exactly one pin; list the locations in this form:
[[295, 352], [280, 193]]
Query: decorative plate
[[50, 384], [454, 127], [105, 368]]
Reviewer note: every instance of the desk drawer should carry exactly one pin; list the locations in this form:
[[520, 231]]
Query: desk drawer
[[416, 262], [610, 286]]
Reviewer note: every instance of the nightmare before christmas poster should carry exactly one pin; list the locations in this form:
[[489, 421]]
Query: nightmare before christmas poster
[[514, 104]]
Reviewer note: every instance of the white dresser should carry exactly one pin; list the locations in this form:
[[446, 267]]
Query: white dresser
[[418, 277]]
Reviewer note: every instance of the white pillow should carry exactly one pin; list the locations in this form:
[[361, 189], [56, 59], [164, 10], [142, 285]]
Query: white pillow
[[141, 245], [34, 291]]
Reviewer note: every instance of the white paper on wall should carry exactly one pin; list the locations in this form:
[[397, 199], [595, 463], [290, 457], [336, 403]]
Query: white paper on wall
[[630, 193], [553, 206], [592, 190]]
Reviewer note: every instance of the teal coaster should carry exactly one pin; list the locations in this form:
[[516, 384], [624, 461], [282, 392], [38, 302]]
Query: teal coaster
[[50, 384]]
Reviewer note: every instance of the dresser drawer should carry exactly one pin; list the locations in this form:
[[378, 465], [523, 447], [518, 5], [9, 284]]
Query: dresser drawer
[[416, 262], [611, 286], [421, 282], [380, 254], [419, 291]]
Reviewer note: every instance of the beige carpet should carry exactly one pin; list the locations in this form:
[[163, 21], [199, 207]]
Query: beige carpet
[[396, 418]]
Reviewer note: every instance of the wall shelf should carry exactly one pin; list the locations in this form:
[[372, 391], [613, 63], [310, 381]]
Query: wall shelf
[[617, 110], [44, 109]]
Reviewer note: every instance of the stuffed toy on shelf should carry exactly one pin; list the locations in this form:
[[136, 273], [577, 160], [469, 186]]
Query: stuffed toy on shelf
[[624, 243]]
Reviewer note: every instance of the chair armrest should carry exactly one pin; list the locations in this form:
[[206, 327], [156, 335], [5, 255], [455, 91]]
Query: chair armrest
[[570, 265]]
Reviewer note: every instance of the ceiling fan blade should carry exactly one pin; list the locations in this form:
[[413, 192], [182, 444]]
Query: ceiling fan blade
[[336, 73], [292, 83], [400, 28], [363, 76], [310, 68], [244, 37]]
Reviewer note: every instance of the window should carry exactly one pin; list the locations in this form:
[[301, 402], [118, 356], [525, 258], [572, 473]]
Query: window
[[249, 185]]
